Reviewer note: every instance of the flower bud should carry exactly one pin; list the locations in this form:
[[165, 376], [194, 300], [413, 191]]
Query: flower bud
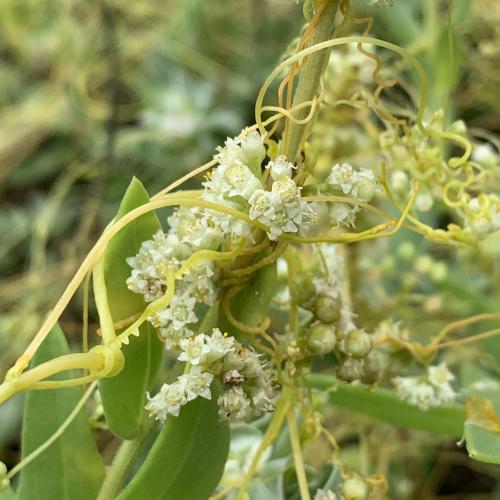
[[350, 369], [376, 364], [424, 201], [357, 344], [253, 150], [355, 488], [321, 338], [305, 293], [326, 310], [365, 189], [399, 181]]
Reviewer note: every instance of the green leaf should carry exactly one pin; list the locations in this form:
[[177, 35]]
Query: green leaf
[[384, 404], [482, 444], [188, 457], [123, 302], [123, 396], [71, 468], [8, 494], [250, 305]]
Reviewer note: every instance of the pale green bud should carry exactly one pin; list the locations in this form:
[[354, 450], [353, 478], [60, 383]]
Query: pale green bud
[[355, 488], [326, 310], [357, 344], [399, 181], [321, 338], [305, 293], [350, 370]]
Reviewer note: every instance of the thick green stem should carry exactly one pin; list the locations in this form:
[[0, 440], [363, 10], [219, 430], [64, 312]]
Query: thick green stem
[[122, 464], [310, 76]]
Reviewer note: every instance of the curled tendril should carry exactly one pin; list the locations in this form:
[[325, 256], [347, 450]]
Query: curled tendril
[[453, 162]]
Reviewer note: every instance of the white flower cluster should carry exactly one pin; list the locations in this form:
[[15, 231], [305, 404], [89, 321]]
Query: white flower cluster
[[247, 387], [429, 390], [235, 183], [201, 352], [359, 184], [281, 209]]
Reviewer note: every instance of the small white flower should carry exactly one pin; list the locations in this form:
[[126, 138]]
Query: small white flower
[[263, 400], [429, 390], [438, 375], [253, 150], [190, 225], [360, 183], [197, 383], [230, 153], [234, 404], [281, 209], [172, 338], [342, 175], [287, 189], [235, 179], [343, 214], [180, 312], [193, 349], [168, 401], [484, 153], [218, 345], [280, 167]]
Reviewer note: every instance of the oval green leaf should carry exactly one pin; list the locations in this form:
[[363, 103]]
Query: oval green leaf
[[123, 396], [188, 457], [250, 305], [71, 468]]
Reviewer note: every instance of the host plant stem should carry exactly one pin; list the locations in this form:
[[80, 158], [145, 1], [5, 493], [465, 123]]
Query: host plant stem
[[310, 76]]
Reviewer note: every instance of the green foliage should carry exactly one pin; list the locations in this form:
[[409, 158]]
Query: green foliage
[[383, 404], [187, 458], [482, 444], [123, 395], [71, 468]]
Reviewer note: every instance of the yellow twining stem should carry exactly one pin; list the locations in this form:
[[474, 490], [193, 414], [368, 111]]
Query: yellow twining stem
[[453, 162], [99, 361], [102, 304], [97, 251]]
